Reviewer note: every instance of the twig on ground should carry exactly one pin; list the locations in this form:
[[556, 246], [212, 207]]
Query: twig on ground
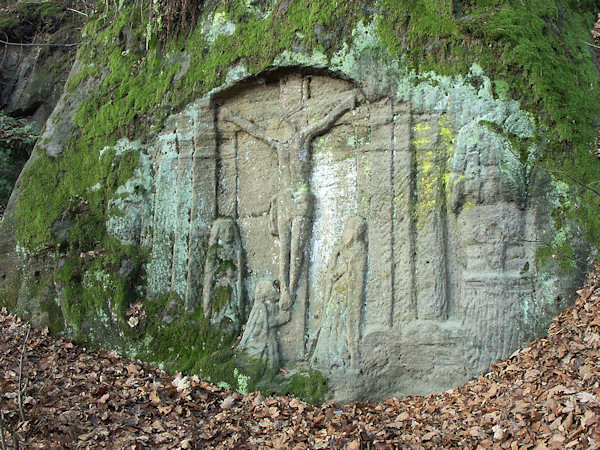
[[22, 388], [78, 12], [4, 426], [591, 45], [2, 440]]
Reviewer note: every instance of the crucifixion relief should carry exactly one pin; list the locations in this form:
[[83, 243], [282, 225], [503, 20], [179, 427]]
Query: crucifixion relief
[[292, 207]]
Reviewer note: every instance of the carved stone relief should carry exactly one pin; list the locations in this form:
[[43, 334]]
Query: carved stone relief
[[260, 336], [338, 341], [223, 290], [307, 172]]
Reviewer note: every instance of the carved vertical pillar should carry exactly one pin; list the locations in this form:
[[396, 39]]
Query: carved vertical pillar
[[404, 233], [375, 178], [204, 202], [430, 220], [165, 211], [184, 130]]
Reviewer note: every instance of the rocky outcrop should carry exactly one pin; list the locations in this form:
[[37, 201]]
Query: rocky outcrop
[[435, 274], [37, 53], [341, 214]]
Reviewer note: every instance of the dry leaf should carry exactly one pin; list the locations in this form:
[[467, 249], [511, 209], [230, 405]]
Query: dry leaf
[[586, 397], [154, 397], [354, 445], [228, 402]]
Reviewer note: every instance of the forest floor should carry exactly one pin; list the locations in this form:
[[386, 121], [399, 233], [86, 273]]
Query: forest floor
[[546, 395]]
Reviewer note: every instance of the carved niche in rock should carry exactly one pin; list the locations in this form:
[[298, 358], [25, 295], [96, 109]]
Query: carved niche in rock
[[291, 208], [291, 159]]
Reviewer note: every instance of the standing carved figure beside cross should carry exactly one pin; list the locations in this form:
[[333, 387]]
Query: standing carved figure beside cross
[[292, 207]]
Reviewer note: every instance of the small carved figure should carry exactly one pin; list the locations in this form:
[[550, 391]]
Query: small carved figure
[[260, 336], [340, 333], [222, 295]]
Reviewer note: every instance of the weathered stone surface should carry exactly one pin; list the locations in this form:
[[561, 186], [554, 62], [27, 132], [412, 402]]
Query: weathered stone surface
[[252, 164], [31, 80], [339, 335], [376, 226], [428, 284], [223, 295], [259, 340]]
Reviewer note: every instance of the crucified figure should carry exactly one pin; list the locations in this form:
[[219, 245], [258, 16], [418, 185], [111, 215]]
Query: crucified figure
[[291, 208]]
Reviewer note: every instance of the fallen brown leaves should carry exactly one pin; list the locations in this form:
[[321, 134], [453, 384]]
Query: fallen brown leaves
[[596, 29], [545, 396]]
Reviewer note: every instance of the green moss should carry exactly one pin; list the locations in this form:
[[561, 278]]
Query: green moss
[[8, 23], [222, 297], [61, 188], [190, 343], [20, 21], [310, 387], [92, 283], [54, 313], [34, 11], [124, 166], [534, 51]]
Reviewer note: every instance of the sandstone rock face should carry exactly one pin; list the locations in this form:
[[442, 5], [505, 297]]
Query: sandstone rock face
[[398, 232], [32, 79]]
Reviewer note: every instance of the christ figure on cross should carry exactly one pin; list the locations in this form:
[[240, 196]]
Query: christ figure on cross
[[292, 207]]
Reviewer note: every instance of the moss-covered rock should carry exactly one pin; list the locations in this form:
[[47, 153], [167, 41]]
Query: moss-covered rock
[[89, 174]]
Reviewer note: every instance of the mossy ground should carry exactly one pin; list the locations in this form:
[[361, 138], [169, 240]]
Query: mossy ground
[[310, 386], [533, 51], [189, 343]]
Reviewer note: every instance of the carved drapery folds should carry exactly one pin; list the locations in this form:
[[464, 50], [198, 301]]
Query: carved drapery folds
[[223, 293], [338, 341], [260, 340]]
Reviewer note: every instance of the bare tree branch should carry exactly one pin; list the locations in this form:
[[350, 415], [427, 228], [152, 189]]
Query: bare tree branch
[[591, 45], [554, 172], [17, 44], [78, 12], [2, 440], [4, 426]]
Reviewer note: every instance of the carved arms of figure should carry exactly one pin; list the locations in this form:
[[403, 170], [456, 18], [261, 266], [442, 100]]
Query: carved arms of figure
[[321, 126], [251, 128], [284, 317]]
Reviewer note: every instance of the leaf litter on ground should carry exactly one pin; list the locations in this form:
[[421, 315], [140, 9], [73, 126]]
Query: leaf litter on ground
[[545, 396]]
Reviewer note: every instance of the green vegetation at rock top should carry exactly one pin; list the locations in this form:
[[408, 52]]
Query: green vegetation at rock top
[[22, 21], [535, 52]]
